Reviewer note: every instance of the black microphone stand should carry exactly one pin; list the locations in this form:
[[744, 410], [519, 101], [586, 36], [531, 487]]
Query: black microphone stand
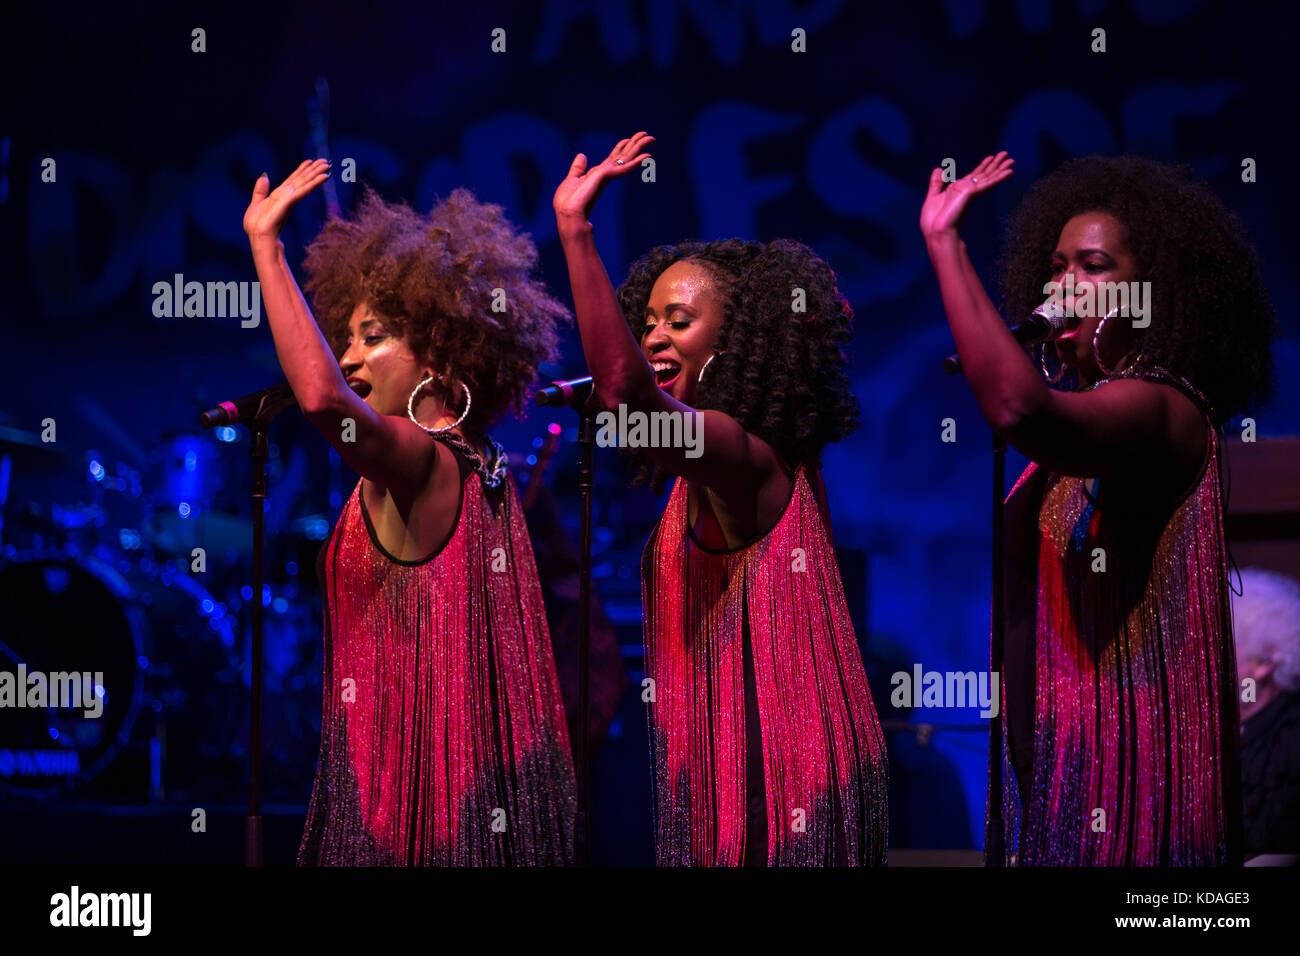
[[581, 397], [994, 832], [582, 760], [994, 850], [258, 426]]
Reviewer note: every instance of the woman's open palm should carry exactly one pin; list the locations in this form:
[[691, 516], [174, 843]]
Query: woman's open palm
[[266, 213], [943, 209], [576, 196]]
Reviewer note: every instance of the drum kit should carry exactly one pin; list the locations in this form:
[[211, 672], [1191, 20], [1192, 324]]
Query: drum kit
[[135, 581], [135, 574]]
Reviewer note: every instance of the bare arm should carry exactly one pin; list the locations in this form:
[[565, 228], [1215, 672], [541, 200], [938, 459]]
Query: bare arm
[[1124, 429], [1006, 385], [730, 460], [392, 452]]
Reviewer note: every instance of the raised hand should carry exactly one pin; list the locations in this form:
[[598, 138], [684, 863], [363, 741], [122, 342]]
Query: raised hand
[[576, 196], [265, 215], [943, 209]]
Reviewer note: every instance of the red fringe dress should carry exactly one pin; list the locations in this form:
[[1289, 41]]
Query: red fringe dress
[[819, 757], [443, 737], [1119, 686]]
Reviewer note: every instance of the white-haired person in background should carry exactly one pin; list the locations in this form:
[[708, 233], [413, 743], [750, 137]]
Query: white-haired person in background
[[1266, 622]]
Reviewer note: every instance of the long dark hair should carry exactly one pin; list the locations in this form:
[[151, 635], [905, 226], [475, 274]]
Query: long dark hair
[[779, 372]]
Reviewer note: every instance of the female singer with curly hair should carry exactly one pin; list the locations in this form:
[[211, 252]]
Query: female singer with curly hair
[[443, 739], [766, 744], [1119, 677]]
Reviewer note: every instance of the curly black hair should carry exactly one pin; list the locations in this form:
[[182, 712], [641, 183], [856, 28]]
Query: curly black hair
[[780, 373], [435, 278], [1213, 320]]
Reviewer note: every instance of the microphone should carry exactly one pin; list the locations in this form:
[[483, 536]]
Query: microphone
[[1045, 322], [229, 413], [569, 394]]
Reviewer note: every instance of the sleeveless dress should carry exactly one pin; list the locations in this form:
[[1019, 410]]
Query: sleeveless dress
[[443, 737], [1119, 686], [764, 739]]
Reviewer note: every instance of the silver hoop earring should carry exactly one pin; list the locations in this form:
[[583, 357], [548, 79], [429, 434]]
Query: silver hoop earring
[[1042, 363], [699, 378], [410, 408], [1096, 355]]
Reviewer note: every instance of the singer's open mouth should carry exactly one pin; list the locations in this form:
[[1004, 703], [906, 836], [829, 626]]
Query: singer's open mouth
[[665, 372], [361, 388]]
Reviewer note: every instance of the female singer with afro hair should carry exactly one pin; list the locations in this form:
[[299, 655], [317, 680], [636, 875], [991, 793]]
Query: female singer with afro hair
[[443, 740], [1119, 679]]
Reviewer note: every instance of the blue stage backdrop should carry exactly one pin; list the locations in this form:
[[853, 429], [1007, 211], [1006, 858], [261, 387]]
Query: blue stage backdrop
[[129, 154]]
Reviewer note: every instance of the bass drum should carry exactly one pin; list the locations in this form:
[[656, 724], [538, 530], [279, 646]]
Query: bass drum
[[194, 673], [164, 655], [65, 615]]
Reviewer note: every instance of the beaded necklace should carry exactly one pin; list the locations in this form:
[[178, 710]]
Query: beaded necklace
[[492, 474]]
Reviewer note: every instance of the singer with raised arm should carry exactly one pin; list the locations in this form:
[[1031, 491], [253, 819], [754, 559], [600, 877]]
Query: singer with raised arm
[[1119, 679], [443, 738], [766, 745]]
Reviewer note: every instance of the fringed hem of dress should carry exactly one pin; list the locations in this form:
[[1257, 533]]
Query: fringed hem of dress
[[443, 738], [825, 777], [1122, 618]]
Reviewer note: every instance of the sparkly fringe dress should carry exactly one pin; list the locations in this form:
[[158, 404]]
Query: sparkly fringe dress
[[765, 742], [1120, 741], [443, 738]]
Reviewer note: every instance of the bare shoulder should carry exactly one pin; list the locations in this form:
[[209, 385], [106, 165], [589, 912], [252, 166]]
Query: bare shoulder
[[1178, 430], [1126, 428], [1181, 421], [1189, 431], [439, 488], [777, 487], [776, 475]]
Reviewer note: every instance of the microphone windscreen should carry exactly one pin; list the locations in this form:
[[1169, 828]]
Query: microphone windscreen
[[1053, 312]]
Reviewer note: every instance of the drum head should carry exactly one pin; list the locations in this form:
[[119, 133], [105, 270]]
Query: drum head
[[70, 671]]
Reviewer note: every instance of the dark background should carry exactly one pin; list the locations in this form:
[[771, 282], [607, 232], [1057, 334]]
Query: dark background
[[157, 148]]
